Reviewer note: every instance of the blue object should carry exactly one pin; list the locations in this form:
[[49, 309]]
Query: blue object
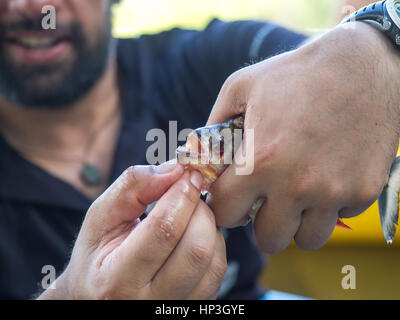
[[278, 295]]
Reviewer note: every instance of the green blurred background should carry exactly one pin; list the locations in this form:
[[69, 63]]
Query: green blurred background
[[134, 17], [314, 274]]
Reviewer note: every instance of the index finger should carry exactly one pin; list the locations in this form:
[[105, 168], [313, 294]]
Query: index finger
[[150, 244], [231, 198]]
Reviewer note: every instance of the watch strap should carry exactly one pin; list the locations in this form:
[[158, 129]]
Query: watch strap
[[378, 12]]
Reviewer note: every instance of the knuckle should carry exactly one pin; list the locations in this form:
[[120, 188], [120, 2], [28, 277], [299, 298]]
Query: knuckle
[[301, 186], [129, 175], [129, 186], [369, 193], [334, 192], [299, 190], [128, 178], [233, 86], [232, 83], [218, 270], [200, 256], [308, 244], [311, 241], [270, 247], [165, 229]]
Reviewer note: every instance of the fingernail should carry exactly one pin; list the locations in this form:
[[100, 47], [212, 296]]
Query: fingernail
[[166, 167], [196, 179]]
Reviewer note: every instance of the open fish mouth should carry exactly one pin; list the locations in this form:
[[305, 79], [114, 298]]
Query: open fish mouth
[[210, 149]]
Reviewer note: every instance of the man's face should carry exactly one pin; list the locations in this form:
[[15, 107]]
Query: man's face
[[52, 68]]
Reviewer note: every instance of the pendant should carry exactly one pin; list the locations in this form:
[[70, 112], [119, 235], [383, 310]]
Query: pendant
[[91, 175]]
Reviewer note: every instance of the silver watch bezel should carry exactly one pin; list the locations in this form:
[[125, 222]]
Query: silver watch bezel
[[391, 8]]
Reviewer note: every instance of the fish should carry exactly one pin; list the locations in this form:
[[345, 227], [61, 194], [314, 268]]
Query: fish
[[210, 151], [388, 203]]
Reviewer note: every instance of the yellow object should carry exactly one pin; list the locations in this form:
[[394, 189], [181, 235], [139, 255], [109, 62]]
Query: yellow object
[[366, 229]]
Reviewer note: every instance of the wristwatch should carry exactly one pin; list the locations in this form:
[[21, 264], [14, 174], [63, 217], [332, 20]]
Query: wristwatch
[[385, 14]]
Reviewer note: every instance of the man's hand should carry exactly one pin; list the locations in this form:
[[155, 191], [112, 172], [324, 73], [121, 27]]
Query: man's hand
[[326, 120], [175, 253]]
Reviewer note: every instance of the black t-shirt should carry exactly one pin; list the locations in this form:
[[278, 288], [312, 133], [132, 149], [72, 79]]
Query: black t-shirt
[[172, 76]]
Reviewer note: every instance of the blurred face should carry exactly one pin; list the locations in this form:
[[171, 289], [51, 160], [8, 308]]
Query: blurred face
[[357, 4], [52, 68], [348, 7]]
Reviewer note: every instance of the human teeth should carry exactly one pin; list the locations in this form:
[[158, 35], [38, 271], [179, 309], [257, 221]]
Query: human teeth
[[34, 42]]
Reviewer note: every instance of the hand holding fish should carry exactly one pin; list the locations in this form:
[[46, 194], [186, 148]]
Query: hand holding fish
[[323, 148], [175, 253]]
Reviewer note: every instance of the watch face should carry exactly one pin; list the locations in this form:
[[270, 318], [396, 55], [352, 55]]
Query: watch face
[[393, 7]]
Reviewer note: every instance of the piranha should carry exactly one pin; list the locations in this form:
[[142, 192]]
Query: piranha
[[210, 151]]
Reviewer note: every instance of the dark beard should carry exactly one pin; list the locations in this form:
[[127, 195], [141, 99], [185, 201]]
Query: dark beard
[[56, 85]]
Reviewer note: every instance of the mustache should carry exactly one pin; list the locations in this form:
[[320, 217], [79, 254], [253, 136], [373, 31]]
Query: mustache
[[72, 30], [22, 25]]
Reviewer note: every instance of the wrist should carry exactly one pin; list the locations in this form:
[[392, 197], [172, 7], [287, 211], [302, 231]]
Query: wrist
[[383, 57], [367, 38], [356, 54], [357, 40]]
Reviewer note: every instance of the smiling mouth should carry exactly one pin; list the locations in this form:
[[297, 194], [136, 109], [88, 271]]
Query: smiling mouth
[[38, 48], [36, 43]]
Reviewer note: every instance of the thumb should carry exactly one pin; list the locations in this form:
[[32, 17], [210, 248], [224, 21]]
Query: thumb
[[128, 197]]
